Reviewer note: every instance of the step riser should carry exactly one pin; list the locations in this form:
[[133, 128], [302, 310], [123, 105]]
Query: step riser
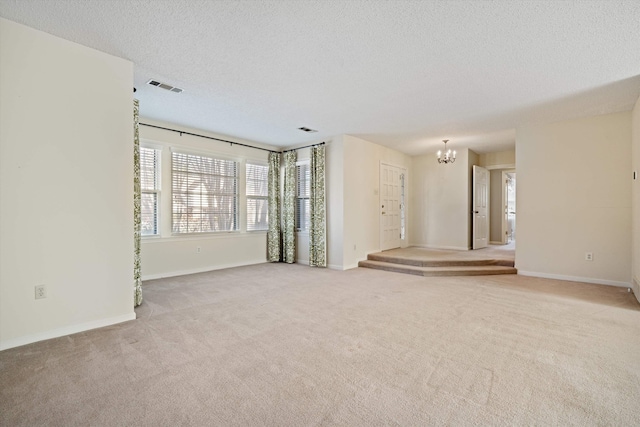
[[399, 269], [442, 263]]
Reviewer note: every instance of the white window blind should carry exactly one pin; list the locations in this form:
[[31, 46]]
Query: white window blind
[[149, 161], [204, 194], [303, 191], [257, 197]]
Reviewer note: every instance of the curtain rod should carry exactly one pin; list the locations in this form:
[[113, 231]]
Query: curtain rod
[[306, 146], [209, 137], [225, 140]]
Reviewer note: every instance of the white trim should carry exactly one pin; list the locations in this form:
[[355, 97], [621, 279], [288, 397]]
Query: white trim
[[350, 266], [335, 267], [201, 270], [303, 262], [575, 278], [635, 287], [505, 166], [66, 330], [492, 242]]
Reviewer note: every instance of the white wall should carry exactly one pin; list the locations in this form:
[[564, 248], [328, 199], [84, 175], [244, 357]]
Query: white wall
[[635, 159], [171, 255], [573, 196], [334, 183], [440, 201], [498, 160], [361, 224], [66, 186]]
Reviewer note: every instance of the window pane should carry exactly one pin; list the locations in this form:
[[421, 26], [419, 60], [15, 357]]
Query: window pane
[[205, 194], [303, 191], [149, 213], [149, 160], [257, 197], [257, 214]]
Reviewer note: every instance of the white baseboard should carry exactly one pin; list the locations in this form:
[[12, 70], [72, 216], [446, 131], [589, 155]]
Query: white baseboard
[[67, 330], [575, 279], [200, 270], [350, 266], [491, 242], [335, 267]]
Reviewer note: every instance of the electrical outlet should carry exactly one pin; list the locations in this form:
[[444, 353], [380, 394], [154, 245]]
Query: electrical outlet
[[198, 250], [41, 292], [588, 256]]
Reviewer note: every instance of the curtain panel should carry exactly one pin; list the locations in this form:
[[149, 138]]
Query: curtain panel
[[289, 209], [273, 235], [137, 215], [317, 230]]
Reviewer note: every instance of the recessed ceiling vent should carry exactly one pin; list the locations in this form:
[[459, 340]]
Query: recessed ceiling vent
[[303, 129], [164, 86]]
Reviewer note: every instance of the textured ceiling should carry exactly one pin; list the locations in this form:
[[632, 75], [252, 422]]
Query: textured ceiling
[[405, 74]]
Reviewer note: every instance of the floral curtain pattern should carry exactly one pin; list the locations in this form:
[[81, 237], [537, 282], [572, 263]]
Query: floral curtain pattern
[[317, 230], [273, 235], [288, 208], [137, 215]]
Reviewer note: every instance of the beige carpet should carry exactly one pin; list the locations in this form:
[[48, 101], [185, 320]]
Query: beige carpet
[[289, 345]]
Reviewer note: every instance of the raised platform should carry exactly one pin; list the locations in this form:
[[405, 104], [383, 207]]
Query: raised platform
[[430, 262]]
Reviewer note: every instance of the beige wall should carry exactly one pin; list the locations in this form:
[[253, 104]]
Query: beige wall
[[440, 202], [498, 160], [361, 232], [66, 186], [573, 196], [635, 159]]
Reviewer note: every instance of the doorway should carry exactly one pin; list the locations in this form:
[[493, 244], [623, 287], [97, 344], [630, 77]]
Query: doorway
[[393, 184], [509, 226]]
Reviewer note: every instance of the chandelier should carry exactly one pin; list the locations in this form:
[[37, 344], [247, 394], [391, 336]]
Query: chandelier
[[449, 156]]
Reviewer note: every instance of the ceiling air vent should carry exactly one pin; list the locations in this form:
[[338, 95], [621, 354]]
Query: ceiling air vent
[[164, 86], [304, 129]]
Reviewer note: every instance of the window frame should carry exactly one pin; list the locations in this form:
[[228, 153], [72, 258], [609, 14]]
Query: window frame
[[305, 216], [156, 191], [236, 208], [255, 197]]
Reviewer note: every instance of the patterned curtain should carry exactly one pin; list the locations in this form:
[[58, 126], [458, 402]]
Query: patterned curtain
[[317, 231], [289, 209], [273, 235], [137, 219]]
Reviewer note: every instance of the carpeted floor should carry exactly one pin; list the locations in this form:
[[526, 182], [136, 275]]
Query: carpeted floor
[[288, 345]]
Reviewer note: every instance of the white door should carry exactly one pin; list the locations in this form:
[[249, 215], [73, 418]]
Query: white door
[[390, 207], [480, 212]]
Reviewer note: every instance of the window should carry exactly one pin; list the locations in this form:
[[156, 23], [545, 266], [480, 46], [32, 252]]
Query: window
[[257, 197], [303, 191], [149, 161], [205, 194]]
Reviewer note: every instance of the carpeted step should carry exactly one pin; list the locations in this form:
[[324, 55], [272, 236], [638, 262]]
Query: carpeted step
[[381, 257], [465, 270]]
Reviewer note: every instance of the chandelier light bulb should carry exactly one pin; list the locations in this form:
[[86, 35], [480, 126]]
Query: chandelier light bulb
[[449, 156]]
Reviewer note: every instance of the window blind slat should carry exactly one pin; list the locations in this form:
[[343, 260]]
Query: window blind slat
[[257, 197], [205, 194]]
